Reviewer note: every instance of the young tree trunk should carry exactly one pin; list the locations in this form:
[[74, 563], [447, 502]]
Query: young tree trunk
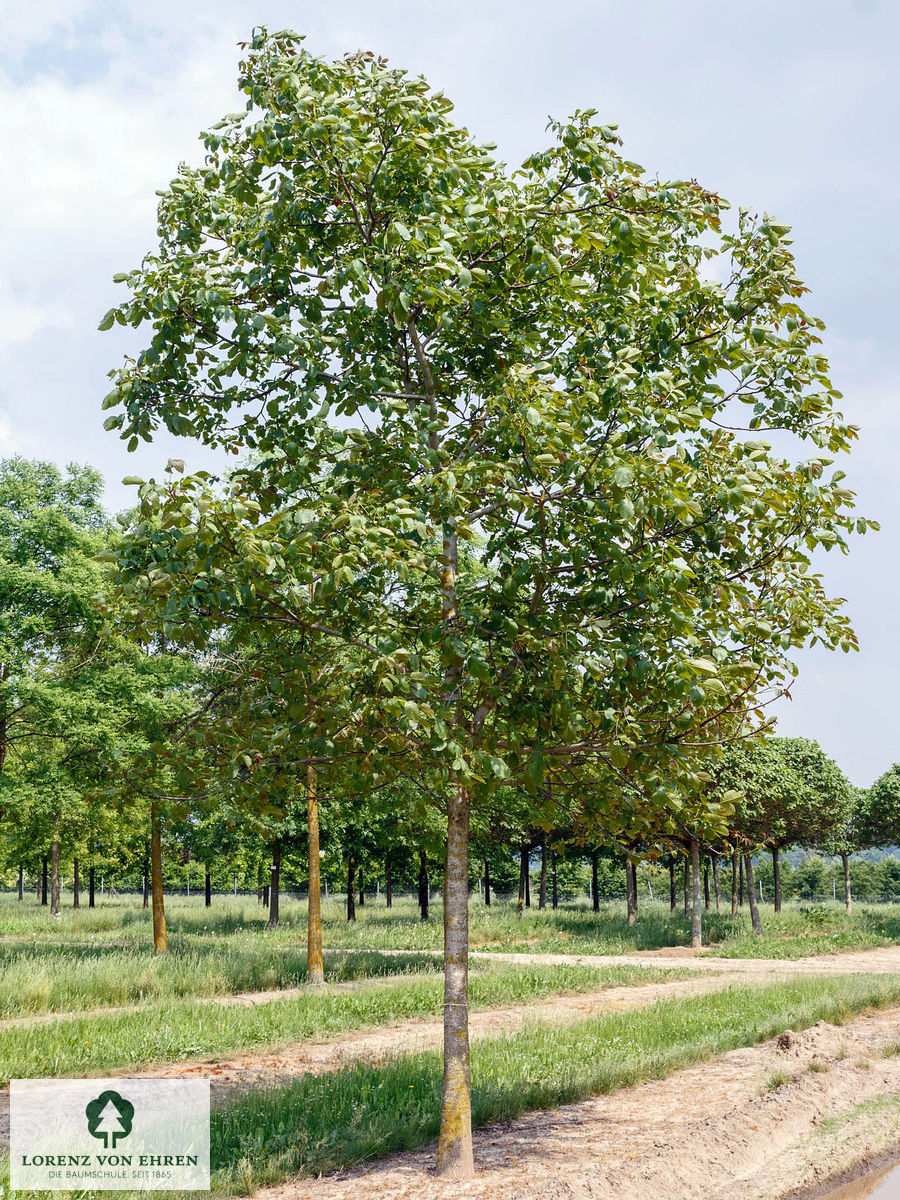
[[266, 893], [455, 1158], [160, 936], [487, 884], [22, 883], [848, 899], [275, 892], [207, 889], [315, 962], [595, 885], [523, 875], [388, 882], [715, 871], [734, 883], [696, 904], [741, 882], [634, 885], [91, 886], [361, 890], [629, 892], [528, 880], [706, 887], [554, 888], [146, 874], [76, 885], [54, 875], [542, 893], [751, 896], [686, 886], [672, 895], [259, 884], [424, 886], [43, 881], [776, 877], [351, 887]]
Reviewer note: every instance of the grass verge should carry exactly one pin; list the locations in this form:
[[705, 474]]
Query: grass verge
[[181, 1030]]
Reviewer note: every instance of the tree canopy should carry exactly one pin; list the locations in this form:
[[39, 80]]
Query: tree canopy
[[422, 350]]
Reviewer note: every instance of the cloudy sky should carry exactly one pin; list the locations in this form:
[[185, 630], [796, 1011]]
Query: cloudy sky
[[790, 106]]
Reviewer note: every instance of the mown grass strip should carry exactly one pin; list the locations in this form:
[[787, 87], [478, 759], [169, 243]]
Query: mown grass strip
[[174, 1031]]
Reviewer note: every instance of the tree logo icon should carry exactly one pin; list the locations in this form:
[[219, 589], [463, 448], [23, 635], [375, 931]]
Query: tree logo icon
[[109, 1117]]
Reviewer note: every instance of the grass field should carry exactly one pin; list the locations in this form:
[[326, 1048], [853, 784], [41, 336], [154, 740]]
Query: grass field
[[67, 971], [360, 1112], [257, 953]]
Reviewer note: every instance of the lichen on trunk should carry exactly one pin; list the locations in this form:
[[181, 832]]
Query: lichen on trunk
[[455, 1155]]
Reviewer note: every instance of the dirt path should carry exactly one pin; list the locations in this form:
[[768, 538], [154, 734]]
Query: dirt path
[[883, 961], [710, 1132]]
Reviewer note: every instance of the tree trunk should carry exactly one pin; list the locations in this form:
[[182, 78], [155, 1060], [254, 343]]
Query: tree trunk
[[315, 962], [207, 889], [54, 875], [146, 875], [266, 893], [542, 893], [734, 883], [706, 887], [259, 884], [43, 881], [634, 890], [629, 892], [776, 877], [528, 880], [672, 895], [595, 884], [487, 884], [388, 882], [715, 873], [160, 936], [91, 886], [76, 885], [523, 872], [22, 883], [424, 886], [741, 882], [686, 884], [455, 1158], [696, 905], [351, 887], [275, 892], [751, 896], [848, 899], [555, 889], [361, 890]]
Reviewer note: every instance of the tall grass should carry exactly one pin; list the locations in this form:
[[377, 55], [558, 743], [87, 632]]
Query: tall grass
[[49, 979], [574, 928]]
